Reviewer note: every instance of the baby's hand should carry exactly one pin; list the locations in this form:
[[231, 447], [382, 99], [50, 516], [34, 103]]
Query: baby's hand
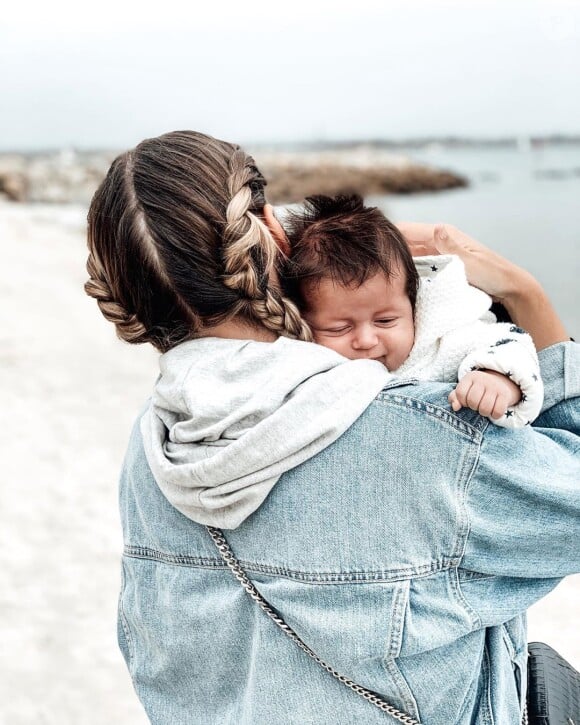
[[487, 392]]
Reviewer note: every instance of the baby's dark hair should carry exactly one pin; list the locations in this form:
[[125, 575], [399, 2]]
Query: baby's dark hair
[[341, 239]]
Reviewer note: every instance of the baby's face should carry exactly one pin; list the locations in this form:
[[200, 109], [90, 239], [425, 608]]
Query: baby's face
[[373, 321]]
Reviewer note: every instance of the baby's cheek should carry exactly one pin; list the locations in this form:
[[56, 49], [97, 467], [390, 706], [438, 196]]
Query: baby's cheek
[[333, 343], [321, 340]]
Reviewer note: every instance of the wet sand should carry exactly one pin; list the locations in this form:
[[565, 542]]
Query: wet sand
[[70, 392]]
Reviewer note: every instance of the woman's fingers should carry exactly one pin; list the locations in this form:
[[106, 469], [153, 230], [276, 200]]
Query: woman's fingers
[[419, 237], [484, 268], [420, 250], [450, 240], [436, 238], [417, 232]]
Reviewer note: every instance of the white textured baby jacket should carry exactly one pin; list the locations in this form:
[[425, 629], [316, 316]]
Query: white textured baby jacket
[[455, 332]]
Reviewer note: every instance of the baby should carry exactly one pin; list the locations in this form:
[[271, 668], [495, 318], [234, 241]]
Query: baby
[[357, 285]]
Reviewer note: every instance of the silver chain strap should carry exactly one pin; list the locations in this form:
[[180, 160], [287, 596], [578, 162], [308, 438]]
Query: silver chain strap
[[235, 567]]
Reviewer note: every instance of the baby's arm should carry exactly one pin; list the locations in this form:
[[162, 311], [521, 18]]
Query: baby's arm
[[508, 372]]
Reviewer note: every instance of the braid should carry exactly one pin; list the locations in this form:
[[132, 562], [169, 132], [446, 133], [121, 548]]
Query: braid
[[245, 236], [279, 314], [250, 254], [123, 247], [129, 328], [178, 245]]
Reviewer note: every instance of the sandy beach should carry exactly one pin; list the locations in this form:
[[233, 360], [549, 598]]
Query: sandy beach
[[70, 393]]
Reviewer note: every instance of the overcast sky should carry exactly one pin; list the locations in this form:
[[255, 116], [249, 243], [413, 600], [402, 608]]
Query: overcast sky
[[110, 73]]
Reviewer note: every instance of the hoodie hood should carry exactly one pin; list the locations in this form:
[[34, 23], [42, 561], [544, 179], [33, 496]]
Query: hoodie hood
[[228, 417]]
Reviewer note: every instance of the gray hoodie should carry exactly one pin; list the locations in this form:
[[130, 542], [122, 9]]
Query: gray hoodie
[[228, 417]]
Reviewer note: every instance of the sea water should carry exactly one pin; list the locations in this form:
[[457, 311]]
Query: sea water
[[522, 202]]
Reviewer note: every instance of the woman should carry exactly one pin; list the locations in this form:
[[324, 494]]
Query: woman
[[401, 541]]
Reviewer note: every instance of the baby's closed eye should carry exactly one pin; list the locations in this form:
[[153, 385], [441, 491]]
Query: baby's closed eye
[[333, 330]]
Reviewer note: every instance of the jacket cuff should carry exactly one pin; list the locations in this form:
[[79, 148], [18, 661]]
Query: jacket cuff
[[560, 368]]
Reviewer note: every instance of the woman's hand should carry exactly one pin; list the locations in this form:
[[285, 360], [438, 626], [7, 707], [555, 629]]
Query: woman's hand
[[484, 268], [519, 292]]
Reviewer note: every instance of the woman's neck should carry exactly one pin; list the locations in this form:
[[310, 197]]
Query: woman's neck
[[237, 329]]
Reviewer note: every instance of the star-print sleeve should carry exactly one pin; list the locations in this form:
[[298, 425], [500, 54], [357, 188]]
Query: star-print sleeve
[[509, 350]]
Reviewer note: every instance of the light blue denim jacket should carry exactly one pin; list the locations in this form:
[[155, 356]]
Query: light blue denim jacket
[[405, 554]]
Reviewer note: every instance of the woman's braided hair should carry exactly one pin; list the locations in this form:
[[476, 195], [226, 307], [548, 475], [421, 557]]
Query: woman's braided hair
[[250, 255], [177, 243]]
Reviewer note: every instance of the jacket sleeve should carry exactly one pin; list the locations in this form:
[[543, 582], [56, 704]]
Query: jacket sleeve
[[523, 498], [509, 350]]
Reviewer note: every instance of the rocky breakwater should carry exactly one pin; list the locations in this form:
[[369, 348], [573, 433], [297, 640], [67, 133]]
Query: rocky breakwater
[[71, 176], [60, 177], [358, 169]]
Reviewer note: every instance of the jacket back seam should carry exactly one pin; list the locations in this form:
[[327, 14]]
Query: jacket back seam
[[328, 577]]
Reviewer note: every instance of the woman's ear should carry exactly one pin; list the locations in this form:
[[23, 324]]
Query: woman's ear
[[276, 229]]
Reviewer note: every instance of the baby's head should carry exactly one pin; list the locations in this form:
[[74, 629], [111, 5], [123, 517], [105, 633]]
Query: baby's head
[[353, 278]]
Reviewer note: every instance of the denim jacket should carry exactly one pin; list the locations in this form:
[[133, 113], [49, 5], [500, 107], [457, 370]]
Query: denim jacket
[[405, 554]]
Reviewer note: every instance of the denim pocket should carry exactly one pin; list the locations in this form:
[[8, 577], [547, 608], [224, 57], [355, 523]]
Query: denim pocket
[[356, 628]]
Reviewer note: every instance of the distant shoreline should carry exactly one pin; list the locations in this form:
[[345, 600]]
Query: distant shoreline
[[531, 141], [523, 141], [293, 171], [69, 176]]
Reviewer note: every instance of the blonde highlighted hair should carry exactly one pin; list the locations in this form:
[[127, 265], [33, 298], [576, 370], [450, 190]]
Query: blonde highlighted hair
[[177, 242]]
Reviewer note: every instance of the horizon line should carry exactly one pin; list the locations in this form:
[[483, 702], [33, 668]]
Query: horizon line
[[320, 142]]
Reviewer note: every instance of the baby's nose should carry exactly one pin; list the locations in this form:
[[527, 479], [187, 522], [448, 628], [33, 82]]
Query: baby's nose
[[364, 339]]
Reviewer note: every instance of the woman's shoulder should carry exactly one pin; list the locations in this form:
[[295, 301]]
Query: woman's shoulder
[[429, 398]]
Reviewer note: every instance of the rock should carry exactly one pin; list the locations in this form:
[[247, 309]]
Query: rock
[[13, 186], [61, 177], [288, 184], [360, 169], [70, 176]]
